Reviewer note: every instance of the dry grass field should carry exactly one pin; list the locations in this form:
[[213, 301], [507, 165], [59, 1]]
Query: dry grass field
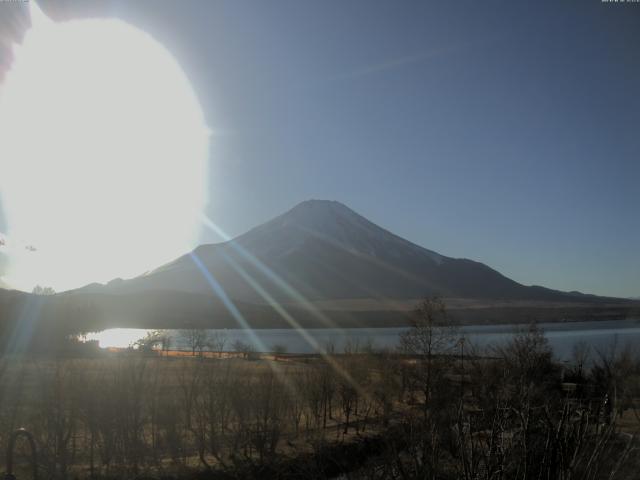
[[413, 413]]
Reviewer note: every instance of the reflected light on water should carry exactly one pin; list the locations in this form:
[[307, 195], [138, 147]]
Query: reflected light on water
[[117, 337]]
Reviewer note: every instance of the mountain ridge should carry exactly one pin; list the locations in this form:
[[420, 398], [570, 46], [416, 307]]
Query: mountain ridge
[[324, 250], [320, 264]]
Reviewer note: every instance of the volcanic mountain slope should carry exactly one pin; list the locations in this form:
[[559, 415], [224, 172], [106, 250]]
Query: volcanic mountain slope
[[324, 251], [318, 265]]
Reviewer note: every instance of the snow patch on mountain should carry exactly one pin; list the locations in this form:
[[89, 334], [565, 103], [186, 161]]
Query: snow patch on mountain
[[333, 223]]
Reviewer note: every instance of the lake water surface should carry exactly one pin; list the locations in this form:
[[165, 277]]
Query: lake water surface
[[600, 335]]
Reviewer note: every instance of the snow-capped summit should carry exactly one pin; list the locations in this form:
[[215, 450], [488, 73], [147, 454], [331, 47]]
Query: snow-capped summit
[[333, 223]]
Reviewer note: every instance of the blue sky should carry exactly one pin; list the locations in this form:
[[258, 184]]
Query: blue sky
[[505, 132]]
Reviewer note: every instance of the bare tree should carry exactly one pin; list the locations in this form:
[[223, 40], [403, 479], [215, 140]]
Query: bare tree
[[430, 338], [197, 339], [165, 343], [246, 349], [278, 350], [218, 340], [40, 290]]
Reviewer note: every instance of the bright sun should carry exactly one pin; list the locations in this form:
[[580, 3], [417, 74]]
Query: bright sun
[[103, 153]]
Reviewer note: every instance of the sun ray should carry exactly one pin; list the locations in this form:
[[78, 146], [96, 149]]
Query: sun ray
[[38, 17], [274, 277], [237, 315], [327, 357], [217, 289]]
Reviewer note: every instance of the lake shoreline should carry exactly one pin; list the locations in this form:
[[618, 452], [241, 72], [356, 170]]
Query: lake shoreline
[[561, 336]]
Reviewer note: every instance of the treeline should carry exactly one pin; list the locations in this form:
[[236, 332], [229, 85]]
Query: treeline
[[435, 409], [94, 308]]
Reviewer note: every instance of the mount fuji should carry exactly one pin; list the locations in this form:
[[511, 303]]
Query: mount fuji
[[318, 265], [323, 251]]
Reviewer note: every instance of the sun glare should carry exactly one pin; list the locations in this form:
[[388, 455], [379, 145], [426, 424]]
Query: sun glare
[[117, 337], [103, 151]]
